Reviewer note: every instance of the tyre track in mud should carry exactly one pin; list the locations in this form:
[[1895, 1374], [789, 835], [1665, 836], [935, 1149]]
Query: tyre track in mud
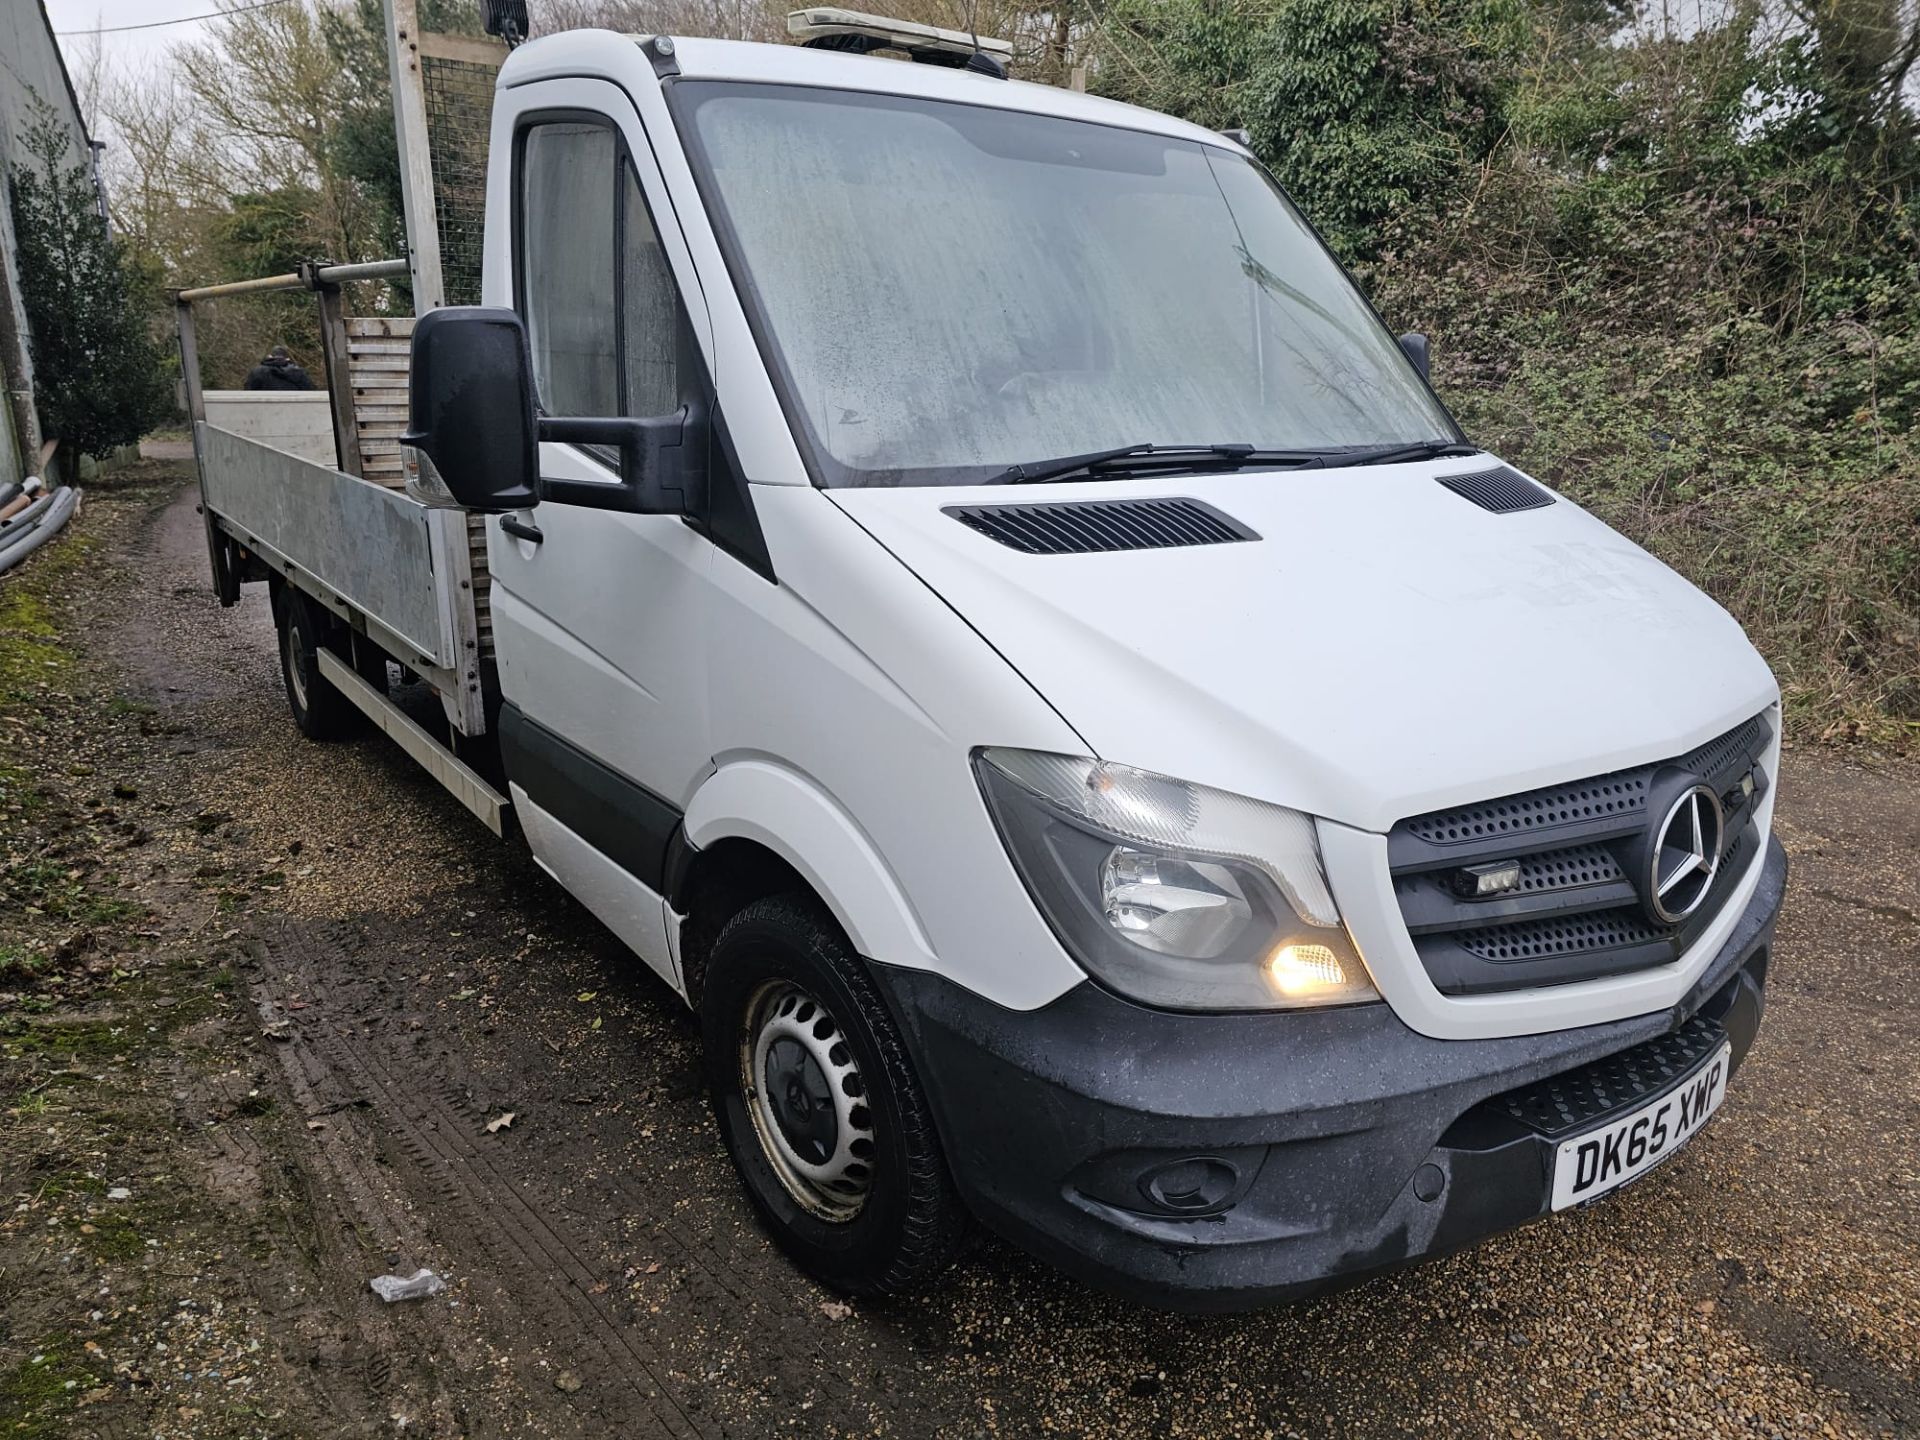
[[727, 1339], [535, 1269], [538, 1274], [313, 1205], [344, 1196]]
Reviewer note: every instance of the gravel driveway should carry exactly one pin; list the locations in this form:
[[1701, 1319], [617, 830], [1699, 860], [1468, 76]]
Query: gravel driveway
[[336, 985]]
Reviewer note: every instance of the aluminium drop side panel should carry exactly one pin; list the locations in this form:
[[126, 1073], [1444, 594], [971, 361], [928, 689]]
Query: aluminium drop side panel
[[375, 548], [299, 422]]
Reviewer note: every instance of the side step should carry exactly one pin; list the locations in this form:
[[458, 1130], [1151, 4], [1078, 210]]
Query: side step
[[461, 779]]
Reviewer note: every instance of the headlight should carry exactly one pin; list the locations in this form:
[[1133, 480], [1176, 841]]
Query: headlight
[[1174, 894]]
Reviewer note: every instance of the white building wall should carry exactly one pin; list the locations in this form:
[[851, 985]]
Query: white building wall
[[30, 67]]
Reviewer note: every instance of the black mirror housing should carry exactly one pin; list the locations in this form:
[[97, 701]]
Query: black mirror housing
[[473, 417], [1415, 346], [470, 405], [663, 462]]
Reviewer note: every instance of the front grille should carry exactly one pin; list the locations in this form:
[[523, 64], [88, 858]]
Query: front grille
[[1536, 810], [1532, 939], [1575, 912], [1565, 869], [1563, 1104]]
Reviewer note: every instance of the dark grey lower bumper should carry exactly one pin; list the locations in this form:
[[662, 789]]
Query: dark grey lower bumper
[[1219, 1162]]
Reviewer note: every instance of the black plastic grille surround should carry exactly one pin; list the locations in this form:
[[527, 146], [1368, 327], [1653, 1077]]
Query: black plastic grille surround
[[1536, 810], [1563, 1104], [1575, 911], [1532, 939], [1510, 825], [1565, 869], [1087, 527], [1501, 490]]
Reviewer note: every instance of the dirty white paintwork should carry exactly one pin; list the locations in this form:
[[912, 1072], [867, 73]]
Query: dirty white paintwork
[[1383, 649]]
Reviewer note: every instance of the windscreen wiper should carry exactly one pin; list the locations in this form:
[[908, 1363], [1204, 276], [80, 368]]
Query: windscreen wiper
[[1396, 454], [1136, 459]]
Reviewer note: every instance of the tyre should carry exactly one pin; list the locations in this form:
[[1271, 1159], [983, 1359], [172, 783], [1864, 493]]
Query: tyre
[[321, 712], [819, 1105]]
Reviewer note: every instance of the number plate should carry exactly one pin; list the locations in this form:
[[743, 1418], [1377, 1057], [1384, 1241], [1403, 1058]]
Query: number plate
[[1590, 1165]]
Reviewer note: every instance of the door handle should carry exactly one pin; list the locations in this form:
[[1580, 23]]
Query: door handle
[[525, 529]]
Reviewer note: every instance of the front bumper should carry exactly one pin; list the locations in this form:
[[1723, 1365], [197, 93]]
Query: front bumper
[[1218, 1162]]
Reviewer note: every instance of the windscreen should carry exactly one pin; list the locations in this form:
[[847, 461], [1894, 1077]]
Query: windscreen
[[948, 290]]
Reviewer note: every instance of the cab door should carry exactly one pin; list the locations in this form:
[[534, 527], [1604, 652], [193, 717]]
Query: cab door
[[599, 617]]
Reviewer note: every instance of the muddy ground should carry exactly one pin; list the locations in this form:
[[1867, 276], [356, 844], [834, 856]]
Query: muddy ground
[[261, 1001]]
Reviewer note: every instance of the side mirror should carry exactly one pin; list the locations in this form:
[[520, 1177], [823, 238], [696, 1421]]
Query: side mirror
[[1415, 346], [470, 410], [472, 415]]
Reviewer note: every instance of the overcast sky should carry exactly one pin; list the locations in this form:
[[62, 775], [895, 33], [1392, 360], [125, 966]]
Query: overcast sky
[[120, 48], [123, 49], [126, 45]]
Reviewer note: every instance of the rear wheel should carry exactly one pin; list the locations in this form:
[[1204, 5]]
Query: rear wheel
[[819, 1105], [321, 711]]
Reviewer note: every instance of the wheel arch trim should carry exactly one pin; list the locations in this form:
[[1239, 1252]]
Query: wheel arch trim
[[788, 814]]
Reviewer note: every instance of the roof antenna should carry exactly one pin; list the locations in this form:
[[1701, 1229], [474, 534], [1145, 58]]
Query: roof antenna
[[980, 62]]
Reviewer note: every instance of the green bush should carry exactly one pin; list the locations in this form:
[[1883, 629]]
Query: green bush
[[98, 373]]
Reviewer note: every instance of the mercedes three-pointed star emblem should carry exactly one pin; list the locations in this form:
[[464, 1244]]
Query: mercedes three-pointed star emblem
[[1685, 855]]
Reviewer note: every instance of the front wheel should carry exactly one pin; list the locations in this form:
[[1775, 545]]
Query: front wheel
[[820, 1107]]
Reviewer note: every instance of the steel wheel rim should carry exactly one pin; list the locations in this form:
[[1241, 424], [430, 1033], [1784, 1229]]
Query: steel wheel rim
[[807, 1101], [297, 662]]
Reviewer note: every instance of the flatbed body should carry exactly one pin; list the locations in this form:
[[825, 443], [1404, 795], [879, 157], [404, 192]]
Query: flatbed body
[[324, 508]]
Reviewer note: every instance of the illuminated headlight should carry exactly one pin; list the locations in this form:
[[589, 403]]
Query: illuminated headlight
[[1171, 893], [1177, 907]]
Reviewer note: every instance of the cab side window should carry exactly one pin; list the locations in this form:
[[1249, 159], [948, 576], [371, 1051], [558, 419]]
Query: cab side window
[[649, 310], [602, 313], [567, 234]]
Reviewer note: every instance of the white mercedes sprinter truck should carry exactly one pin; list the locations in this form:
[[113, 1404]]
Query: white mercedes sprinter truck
[[986, 610]]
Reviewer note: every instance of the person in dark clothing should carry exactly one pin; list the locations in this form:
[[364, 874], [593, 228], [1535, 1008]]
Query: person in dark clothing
[[278, 372]]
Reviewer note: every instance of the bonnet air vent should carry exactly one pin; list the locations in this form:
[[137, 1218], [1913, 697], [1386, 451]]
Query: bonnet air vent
[[1500, 490], [1085, 527]]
